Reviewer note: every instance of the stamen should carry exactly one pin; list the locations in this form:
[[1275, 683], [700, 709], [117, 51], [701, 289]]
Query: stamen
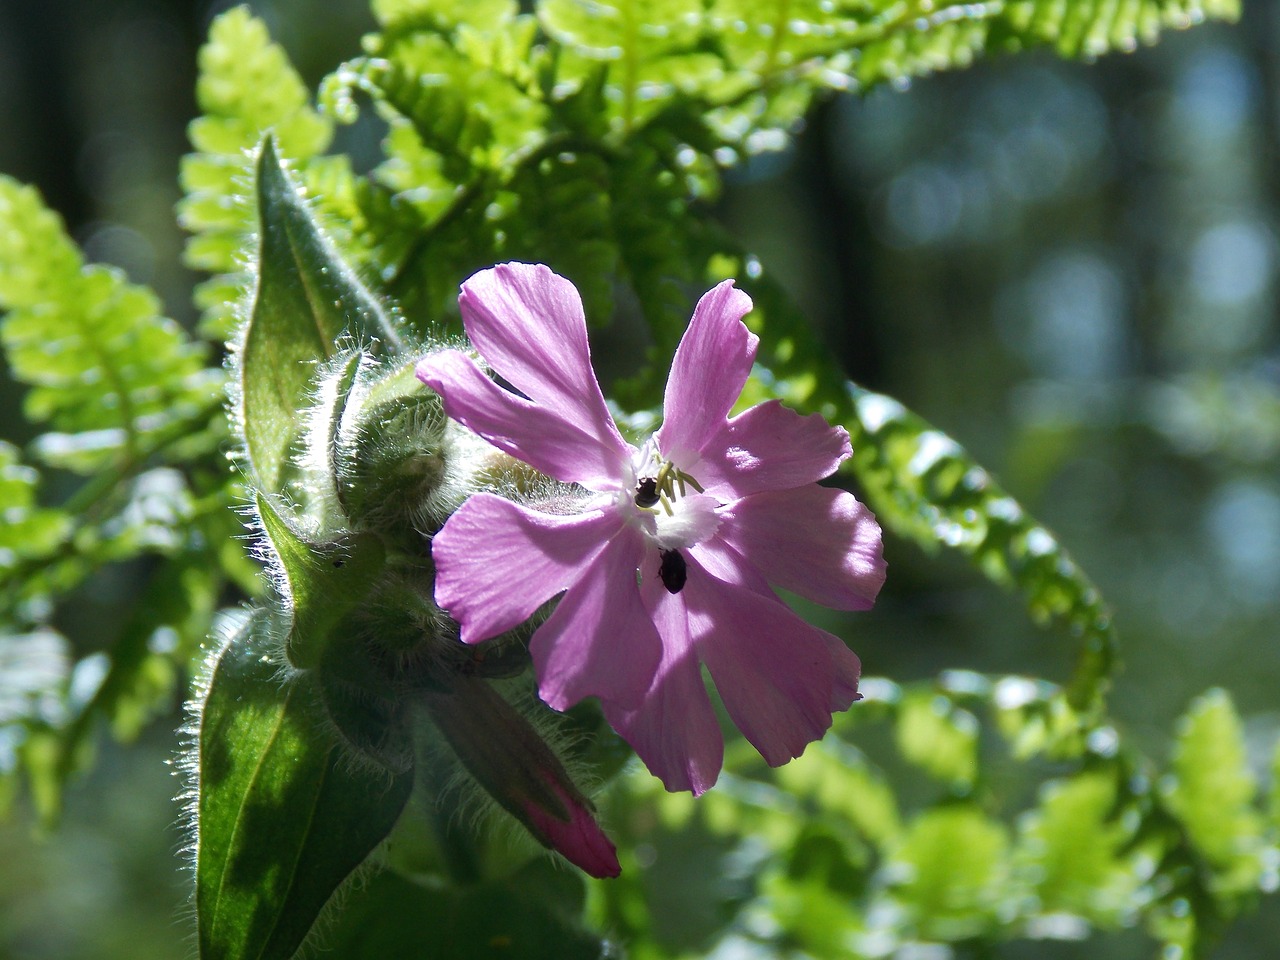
[[669, 484]]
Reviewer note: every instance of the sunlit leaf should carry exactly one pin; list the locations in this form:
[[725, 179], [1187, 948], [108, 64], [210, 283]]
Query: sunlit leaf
[[305, 301], [28, 529], [282, 816], [246, 87], [476, 14], [1212, 789], [953, 869], [939, 737], [1088, 880], [100, 361]]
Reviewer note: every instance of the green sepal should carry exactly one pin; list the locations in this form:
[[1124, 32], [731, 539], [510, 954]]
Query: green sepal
[[283, 816], [388, 455], [323, 581], [306, 301]]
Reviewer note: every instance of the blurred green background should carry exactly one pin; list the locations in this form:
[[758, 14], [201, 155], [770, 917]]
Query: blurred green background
[[1071, 269]]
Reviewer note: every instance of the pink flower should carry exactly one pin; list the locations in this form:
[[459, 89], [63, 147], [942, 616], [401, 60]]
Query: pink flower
[[668, 566]]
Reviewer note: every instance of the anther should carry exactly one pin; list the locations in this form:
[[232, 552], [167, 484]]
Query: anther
[[647, 492]]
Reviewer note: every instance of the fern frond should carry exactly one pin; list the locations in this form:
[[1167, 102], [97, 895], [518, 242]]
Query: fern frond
[[28, 529], [101, 362], [247, 86], [483, 15]]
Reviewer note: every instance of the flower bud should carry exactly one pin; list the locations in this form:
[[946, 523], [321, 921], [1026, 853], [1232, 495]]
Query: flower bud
[[514, 764]]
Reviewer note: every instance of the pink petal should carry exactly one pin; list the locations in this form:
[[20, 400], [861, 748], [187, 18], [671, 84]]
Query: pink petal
[[528, 324], [818, 542], [539, 436], [710, 367], [770, 447], [778, 677], [600, 641], [579, 839], [675, 730], [497, 562]]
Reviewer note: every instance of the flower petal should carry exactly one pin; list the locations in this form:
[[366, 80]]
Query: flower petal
[[675, 730], [539, 436], [527, 323], [815, 541], [710, 367], [497, 562], [778, 677], [578, 839], [600, 641], [770, 447]]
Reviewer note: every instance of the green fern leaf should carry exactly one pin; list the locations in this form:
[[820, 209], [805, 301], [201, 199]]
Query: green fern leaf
[[483, 15], [246, 87], [1088, 880], [28, 530], [102, 364], [1212, 791], [652, 50], [954, 863]]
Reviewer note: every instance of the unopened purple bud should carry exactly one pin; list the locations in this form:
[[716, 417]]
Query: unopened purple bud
[[505, 754], [579, 839]]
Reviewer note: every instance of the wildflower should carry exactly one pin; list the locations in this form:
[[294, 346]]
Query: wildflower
[[669, 564]]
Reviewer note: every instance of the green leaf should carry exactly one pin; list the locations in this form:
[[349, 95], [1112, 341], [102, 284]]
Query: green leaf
[[305, 302], [28, 530], [925, 486], [100, 361], [1212, 790], [939, 737], [954, 868], [1088, 879], [246, 87], [529, 916], [322, 582], [651, 49], [475, 14], [283, 817]]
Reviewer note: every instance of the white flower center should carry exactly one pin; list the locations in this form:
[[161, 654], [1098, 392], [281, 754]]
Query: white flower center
[[669, 504]]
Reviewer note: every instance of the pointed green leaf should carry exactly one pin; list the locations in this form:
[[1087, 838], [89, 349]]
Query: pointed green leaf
[[306, 301], [323, 582], [283, 816]]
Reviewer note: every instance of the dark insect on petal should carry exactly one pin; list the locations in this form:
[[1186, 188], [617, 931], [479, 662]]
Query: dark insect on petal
[[674, 571], [647, 492]]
